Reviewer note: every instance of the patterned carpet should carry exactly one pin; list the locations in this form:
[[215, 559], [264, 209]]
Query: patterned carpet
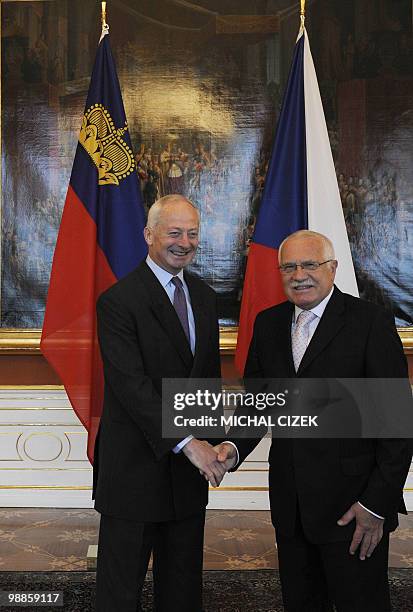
[[258, 590], [51, 539]]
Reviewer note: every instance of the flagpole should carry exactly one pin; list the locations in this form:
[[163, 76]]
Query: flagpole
[[302, 15], [105, 27]]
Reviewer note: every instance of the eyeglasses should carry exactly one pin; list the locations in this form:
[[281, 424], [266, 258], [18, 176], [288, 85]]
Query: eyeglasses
[[305, 265]]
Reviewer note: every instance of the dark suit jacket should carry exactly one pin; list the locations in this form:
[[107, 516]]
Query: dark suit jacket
[[136, 474], [354, 339]]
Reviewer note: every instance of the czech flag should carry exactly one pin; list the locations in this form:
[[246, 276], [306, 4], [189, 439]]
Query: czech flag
[[300, 192], [100, 240]]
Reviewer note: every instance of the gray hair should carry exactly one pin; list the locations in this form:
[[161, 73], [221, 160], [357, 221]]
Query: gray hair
[[155, 210], [328, 248]]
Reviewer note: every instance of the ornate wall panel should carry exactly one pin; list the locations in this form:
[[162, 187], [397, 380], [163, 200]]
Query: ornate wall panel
[[42, 451], [43, 457]]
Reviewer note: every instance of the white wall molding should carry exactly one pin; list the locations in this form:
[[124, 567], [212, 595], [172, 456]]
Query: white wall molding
[[43, 461]]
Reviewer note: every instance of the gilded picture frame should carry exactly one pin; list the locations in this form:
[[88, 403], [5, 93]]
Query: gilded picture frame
[[211, 138]]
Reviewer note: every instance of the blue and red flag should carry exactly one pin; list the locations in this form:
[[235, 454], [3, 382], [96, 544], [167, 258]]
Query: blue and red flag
[[100, 240], [300, 192]]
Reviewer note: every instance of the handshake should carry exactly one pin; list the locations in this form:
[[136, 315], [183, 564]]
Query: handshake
[[212, 461]]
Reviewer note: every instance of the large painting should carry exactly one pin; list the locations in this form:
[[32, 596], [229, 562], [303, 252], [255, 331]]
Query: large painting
[[202, 83]]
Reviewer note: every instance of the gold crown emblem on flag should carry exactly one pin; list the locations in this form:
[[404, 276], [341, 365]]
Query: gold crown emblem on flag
[[111, 155]]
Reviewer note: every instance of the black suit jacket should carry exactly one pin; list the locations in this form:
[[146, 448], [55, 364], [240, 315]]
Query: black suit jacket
[[354, 339], [136, 474]]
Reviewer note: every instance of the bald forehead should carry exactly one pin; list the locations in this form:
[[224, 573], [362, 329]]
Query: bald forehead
[[299, 248], [171, 206], [178, 208], [176, 203]]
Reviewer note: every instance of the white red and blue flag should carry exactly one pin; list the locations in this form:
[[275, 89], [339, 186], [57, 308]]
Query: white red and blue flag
[[300, 192]]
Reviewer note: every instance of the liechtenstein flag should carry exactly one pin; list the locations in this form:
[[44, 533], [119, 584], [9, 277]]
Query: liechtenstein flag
[[300, 192], [100, 240]]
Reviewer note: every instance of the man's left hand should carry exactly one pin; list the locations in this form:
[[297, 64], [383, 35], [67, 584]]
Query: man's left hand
[[227, 455], [368, 532]]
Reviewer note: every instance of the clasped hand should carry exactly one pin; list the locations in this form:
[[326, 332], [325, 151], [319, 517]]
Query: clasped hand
[[212, 461]]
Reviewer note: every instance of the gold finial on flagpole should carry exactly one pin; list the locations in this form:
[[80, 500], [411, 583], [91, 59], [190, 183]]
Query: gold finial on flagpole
[[302, 14], [105, 27], [104, 14]]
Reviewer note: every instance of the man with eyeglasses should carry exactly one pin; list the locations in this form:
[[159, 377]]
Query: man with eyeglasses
[[333, 502]]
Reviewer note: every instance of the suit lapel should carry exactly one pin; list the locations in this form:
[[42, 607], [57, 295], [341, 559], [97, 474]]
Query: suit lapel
[[274, 344], [164, 311], [200, 317], [330, 324], [283, 340]]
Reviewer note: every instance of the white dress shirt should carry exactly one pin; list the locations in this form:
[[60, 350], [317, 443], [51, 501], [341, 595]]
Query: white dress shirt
[[318, 311], [165, 278]]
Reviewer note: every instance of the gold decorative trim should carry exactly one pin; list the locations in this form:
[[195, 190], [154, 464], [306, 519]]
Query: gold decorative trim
[[17, 447], [32, 387], [253, 470], [75, 432], [228, 340], [20, 341], [257, 470], [43, 425], [37, 434], [27, 342], [260, 489], [406, 336], [105, 146], [10, 433], [36, 408], [1, 171], [13, 469], [48, 487], [238, 488], [70, 447]]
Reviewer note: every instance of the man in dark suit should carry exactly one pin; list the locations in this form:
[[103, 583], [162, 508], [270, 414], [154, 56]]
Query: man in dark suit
[[158, 322], [333, 501]]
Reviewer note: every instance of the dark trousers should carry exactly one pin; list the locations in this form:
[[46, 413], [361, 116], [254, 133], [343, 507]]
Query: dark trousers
[[313, 576], [123, 556]]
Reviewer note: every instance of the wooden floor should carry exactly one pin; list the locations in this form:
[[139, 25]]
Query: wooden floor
[[56, 539]]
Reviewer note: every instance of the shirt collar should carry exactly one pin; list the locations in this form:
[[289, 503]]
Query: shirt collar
[[163, 276], [317, 310]]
